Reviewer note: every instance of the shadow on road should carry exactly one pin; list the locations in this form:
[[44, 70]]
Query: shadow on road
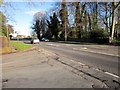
[[27, 42], [85, 43]]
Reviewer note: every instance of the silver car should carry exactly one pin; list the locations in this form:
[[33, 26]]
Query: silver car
[[45, 39], [34, 41]]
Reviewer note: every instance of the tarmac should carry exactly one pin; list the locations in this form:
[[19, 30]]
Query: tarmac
[[39, 68]]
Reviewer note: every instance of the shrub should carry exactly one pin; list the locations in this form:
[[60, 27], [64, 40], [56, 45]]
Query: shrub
[[100, 33], [118, 35], [85, 34]]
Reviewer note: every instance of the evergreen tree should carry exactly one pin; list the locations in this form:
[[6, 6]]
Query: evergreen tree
[[64, 19], [53, 26]]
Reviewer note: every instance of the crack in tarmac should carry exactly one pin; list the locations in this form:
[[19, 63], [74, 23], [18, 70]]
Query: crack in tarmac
[[104, 81]]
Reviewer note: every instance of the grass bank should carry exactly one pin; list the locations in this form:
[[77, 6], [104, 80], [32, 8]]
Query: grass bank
[[20, 46]]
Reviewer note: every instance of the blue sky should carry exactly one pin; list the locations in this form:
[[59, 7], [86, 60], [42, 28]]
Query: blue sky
[[22, 14]]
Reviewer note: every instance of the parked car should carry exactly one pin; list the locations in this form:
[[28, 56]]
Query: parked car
[[45, 39], [35, 40]]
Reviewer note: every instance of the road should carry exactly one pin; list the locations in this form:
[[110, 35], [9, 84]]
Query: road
[[105, 62], [56, 65], [39, 69]]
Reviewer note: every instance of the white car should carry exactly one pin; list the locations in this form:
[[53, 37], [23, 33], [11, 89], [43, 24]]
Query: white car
[[35, 40], [45, 39]]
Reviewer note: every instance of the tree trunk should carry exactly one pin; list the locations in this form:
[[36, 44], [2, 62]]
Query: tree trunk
[[113, 21], [64, 18], [118, 25], [1, 2], [89, 19], [78, 19], [106, 16], [96, 17]]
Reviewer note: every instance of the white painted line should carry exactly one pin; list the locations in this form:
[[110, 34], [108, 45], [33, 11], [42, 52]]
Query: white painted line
[[52, 45], [97, 69], [112, 74], [81, 63], [75, 49], [72, 60], [77, 62], [100, 52], [84, 48]]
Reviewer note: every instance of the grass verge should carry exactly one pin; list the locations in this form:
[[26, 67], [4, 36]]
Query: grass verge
[[20, 46]]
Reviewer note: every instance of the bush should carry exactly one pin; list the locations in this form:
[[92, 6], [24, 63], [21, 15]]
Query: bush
[[118, 35], [85, 34], [100, 33]]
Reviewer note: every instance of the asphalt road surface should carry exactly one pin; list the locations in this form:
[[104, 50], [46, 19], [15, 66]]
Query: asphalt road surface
[[38, 68], [104, 62]]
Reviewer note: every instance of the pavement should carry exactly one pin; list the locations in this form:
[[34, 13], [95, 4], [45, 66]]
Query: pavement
[[40, 68]]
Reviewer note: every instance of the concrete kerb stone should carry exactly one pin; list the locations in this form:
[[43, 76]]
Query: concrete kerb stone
[[99, 78]]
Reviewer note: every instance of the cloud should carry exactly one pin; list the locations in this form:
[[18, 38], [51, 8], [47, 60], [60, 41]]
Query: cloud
[[36, 12], [32, 12]]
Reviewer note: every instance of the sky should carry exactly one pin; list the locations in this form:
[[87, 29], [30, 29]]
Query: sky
[[22, 14]]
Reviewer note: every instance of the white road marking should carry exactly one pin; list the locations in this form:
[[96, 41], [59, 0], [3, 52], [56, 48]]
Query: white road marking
[[72, 60], [99, 52], [78, 62], [85, 49], [112, 74], [75, 48], [52, 45], [81, 63], [97, 69]]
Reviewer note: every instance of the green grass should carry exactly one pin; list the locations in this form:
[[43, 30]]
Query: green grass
[[118, 41], [20, 46]]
